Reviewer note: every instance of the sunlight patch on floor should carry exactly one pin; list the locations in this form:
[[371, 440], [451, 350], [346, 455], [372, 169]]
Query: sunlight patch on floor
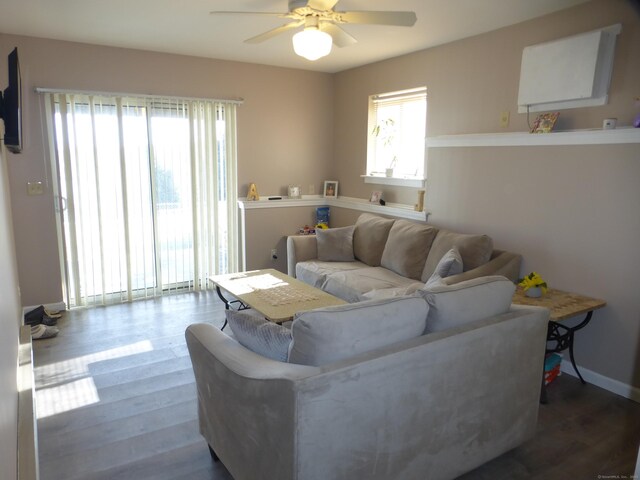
[[69, 396], [67, 385]]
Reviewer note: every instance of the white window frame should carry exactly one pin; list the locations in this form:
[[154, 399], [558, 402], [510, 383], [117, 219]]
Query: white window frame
[[381, 149]]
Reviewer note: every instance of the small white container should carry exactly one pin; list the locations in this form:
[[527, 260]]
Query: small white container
[[534, 292], [609, 123]]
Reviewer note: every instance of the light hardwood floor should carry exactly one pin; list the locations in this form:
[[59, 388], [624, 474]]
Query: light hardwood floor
[[117, 400]]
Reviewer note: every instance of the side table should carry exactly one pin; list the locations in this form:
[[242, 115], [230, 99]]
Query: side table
[[563, 305]]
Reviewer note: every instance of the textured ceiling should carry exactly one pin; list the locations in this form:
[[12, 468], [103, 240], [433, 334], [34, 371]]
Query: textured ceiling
[[185, 27]]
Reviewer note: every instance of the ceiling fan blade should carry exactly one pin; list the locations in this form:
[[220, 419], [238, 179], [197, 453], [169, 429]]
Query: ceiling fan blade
[[322, 4], [271, 14], [272, 33], [401, 19], [339, 36]]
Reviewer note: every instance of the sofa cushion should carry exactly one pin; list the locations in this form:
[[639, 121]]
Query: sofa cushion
[[335, 244], [327, 335], [467, 301], [407, 248], [259, 335], [475, 250], [379, 294], [351, 285], [369, 238], [314, 272]]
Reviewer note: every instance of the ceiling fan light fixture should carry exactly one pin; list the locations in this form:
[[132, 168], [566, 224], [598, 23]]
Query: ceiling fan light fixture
[[312, 44]]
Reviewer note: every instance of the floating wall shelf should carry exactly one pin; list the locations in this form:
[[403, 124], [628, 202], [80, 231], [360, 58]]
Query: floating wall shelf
[[359, 204], [576, 137]]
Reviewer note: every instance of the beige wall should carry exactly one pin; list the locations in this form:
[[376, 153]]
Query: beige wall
[[9, 322], [284, 125], [267, 229], [571, 211], [471, 81]]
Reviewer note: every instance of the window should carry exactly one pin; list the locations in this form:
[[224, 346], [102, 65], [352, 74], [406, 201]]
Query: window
[[397, 124], [148, 189]]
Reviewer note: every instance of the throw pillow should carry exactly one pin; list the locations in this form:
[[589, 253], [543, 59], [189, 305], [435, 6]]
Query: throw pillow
[[407, 248], [369, 238], [475, 250], [465, 302], [327, 335], [335, 244], [259, 335], [449, 264]]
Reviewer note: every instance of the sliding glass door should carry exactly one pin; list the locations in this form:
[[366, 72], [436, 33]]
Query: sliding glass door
[[148, 194]]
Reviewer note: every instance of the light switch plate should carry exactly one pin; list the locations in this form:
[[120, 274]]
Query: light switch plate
[[35, 188], [504, 119]]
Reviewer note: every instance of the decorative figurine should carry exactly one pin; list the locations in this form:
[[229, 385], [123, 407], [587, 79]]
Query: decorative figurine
[[253, 192]]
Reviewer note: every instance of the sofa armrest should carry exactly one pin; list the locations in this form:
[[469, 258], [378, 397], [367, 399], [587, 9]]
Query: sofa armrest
[[299, 249], [502, 263], [242, 395]]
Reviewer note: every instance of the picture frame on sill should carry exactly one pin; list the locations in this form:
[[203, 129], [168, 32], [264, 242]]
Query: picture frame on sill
[[545, 122], [375, 197], [294, 191], [330, 189]]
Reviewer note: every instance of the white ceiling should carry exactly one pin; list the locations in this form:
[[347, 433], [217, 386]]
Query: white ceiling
[[185, 26]]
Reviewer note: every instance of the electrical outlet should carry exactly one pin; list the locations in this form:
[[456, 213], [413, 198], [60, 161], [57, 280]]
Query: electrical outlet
[[35, 188], [312, 189], [504, 119], [274, 254]]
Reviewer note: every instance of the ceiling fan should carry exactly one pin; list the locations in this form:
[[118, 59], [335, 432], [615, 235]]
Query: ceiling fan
[[320, 22]]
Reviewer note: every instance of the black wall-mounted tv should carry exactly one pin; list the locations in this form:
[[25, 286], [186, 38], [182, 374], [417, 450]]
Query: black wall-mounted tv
[[11, 106]]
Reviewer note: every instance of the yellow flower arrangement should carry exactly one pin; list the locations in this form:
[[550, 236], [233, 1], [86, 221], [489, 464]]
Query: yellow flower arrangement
[[533, 280]]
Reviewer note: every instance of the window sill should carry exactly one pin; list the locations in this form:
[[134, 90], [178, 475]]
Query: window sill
[[395, 181]]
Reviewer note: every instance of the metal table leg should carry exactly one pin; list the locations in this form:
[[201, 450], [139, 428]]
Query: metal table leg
[[229, 303], [563, 336]]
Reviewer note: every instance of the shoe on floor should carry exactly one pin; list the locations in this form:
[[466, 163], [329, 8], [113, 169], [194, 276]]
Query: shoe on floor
[[48, 320], [34, 317], [39, 332], [52, 314]]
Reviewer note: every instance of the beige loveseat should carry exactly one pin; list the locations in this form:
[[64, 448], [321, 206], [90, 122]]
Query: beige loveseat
[[390, 257], [362, 393]]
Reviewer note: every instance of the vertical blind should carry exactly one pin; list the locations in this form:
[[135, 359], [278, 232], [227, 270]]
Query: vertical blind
[[147, 189]]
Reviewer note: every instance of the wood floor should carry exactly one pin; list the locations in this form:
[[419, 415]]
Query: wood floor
[[117, 400]]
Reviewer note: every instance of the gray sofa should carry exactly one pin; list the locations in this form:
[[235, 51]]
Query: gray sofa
[[348, 405], [392, 257]]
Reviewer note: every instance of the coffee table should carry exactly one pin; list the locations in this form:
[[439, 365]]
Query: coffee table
[[272, 293]]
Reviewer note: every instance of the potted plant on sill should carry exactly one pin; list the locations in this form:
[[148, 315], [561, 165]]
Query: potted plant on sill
[[386, 131]]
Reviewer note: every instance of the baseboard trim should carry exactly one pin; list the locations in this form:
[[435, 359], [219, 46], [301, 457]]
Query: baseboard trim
[[28, 467], [599, 380]]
